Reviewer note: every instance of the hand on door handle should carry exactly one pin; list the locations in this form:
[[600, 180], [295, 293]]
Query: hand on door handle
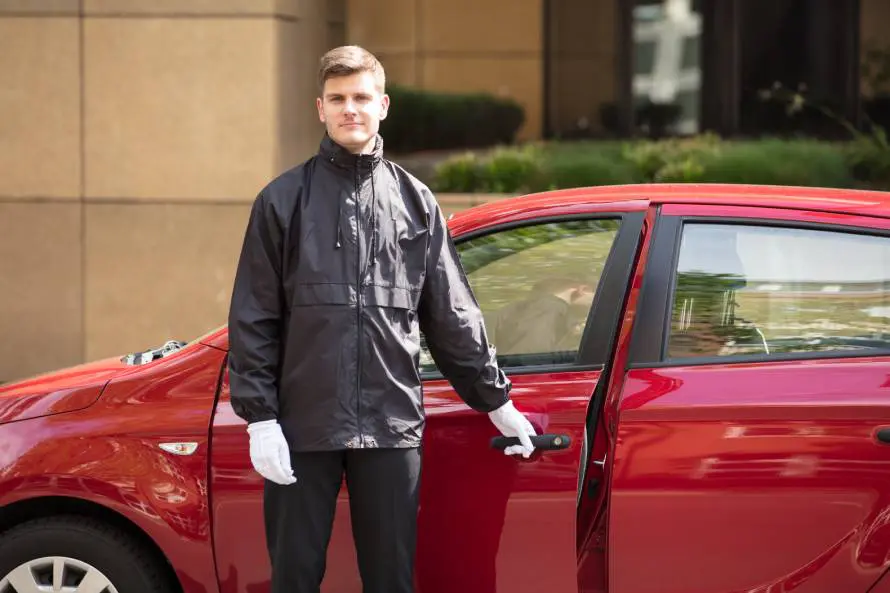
[[544, 442]]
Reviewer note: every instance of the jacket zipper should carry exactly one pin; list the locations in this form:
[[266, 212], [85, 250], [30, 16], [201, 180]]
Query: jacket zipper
[[358, 302]]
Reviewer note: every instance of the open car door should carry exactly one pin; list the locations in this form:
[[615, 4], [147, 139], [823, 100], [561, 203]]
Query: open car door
[[551, 290]]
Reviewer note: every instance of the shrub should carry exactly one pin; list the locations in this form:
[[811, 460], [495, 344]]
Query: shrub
[[504, 170], [672, 160], [530, 168], [459, 174], [776, 162], [868, 159], [691, 160], [512, 169], [583, 169], [425, 120]]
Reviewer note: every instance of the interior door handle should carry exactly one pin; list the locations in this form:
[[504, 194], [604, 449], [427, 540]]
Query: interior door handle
[[544, 442], [883, 435]]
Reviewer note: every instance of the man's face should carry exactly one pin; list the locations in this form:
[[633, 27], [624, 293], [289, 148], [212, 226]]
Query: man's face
[[351, 108]]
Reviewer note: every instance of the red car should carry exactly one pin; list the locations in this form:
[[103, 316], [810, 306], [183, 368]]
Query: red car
[[711, 365]]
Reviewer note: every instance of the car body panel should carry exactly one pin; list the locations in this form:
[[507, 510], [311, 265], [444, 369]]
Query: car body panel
[[109, 454], [72, 389], [483, 511], [771, 471], [882, 586]]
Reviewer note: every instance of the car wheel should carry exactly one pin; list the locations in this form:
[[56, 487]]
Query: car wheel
[[76, 555]]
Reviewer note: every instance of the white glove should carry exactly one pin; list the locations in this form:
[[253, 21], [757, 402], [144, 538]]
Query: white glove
[[512, 423], [269, 452]]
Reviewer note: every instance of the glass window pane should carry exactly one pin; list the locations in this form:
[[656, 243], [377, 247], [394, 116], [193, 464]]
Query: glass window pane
[[768, 290], [691, 52], [535, 286], [644, 57]]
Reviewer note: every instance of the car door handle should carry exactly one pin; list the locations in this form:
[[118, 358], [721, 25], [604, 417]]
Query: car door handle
[[544, 442], [883, 435]]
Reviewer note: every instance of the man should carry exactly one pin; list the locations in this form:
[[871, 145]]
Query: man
[[346, 258], [549, 320]]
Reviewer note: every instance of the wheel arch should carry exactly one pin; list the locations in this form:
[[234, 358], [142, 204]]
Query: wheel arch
[[43, 507]]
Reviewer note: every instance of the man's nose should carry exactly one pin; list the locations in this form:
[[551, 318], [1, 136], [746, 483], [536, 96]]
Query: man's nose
[[349, 106]]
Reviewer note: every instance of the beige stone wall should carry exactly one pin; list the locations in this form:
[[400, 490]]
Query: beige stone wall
[[134, 136], [493, 46]]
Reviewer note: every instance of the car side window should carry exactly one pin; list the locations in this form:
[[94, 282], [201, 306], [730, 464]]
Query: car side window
[[535, 285], [767, 290]]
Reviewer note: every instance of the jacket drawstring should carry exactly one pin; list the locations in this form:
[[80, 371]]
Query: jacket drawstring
[[373, 219], [375, 236], [337, 244]]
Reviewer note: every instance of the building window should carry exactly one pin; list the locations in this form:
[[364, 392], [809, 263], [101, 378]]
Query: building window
[[667, 69]]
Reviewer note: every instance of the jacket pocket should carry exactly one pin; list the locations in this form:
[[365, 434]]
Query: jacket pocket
[[307, 295], [395, 297]]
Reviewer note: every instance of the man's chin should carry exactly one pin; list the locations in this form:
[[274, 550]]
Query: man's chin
[[356, 139]]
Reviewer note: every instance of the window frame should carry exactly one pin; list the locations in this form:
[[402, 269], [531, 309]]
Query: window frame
[[652, 329], [601, 327]]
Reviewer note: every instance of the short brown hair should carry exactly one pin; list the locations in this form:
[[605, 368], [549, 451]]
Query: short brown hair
[[349, 59]]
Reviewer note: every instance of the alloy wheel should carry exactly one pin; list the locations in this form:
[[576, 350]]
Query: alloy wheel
[[56, 574]]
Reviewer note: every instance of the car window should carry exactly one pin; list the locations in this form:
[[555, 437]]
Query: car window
[[768, 290], [535, 285]]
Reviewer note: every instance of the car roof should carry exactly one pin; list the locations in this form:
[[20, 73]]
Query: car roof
[[576, 200]]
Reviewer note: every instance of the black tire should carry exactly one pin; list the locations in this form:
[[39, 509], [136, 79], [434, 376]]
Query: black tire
[[129, 566]]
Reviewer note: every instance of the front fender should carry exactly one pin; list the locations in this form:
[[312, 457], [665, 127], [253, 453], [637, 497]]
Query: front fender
[[110, 454]]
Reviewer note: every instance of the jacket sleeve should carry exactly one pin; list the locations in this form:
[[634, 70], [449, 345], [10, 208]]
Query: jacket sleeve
[[454, 328], [255, 317]]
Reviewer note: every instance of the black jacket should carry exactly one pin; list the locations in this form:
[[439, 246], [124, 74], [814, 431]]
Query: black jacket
[[346, 258]]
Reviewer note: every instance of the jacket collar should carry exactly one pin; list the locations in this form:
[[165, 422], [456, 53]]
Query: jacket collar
[[341, 158], [354, 164]]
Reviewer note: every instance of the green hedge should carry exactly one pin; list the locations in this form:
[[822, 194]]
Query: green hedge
[[702, 159], [425, 120]]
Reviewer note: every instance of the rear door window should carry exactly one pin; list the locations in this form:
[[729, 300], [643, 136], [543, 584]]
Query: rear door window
[[741, 289]]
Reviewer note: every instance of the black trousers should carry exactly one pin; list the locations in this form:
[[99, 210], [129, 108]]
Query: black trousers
[[383, 487]]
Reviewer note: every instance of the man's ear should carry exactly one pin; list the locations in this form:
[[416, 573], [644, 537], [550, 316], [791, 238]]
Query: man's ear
[[385, 109], [320, 106]]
